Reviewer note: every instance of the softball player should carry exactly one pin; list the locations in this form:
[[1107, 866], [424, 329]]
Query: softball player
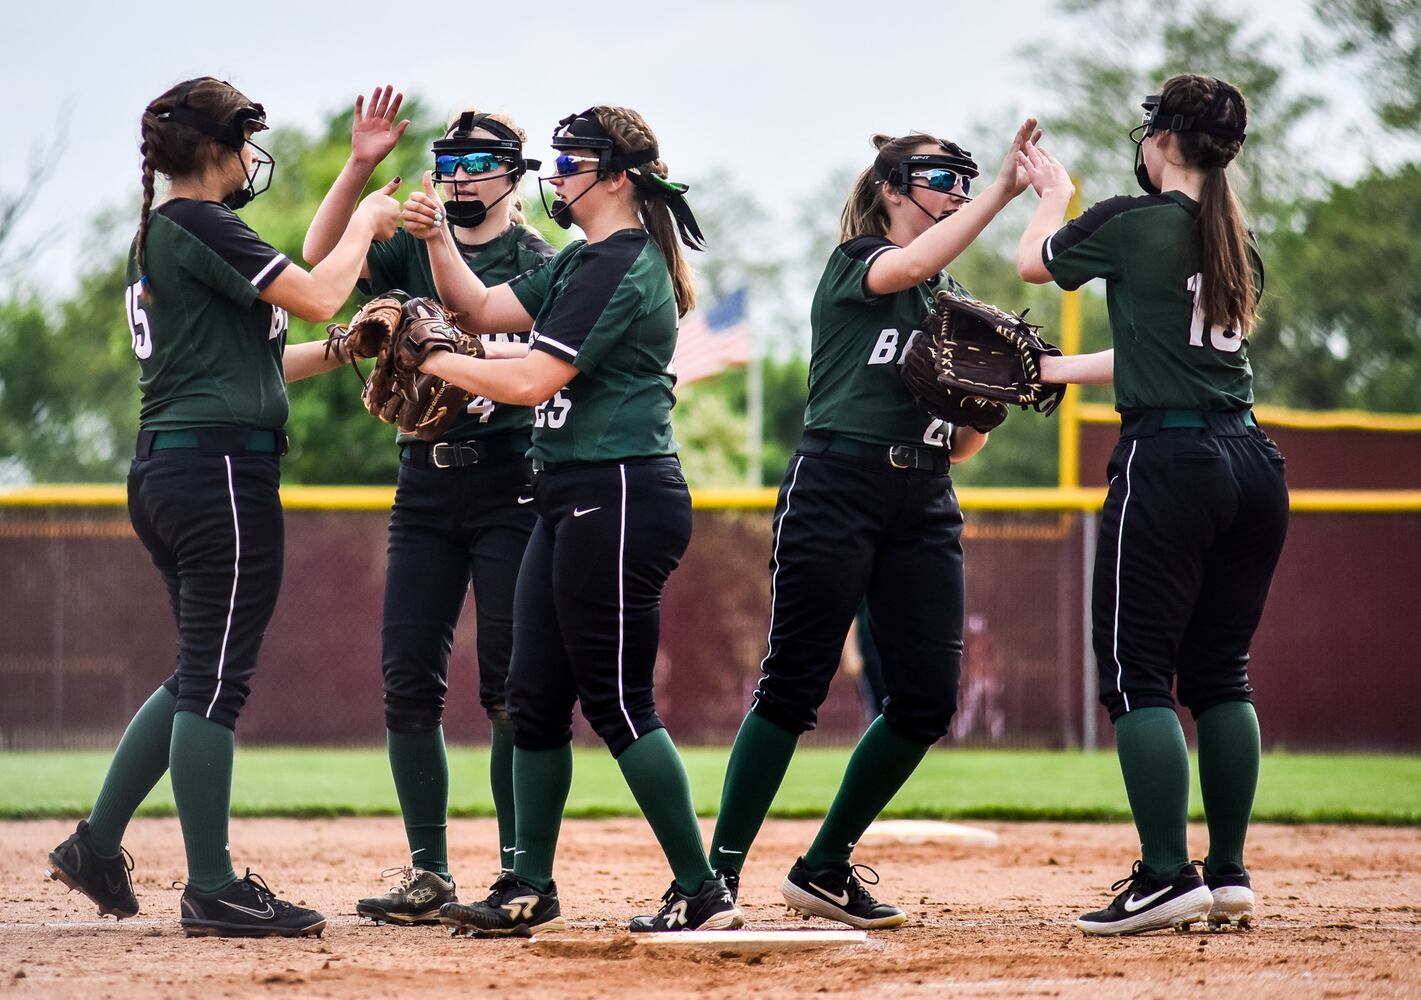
[[1197, 507], [614, 513], [207, 305], [463, 510], [866, 509]]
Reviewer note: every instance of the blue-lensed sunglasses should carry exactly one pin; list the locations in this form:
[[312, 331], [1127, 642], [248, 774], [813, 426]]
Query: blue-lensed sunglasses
[[567, 164], [940, 179], [473, 163]]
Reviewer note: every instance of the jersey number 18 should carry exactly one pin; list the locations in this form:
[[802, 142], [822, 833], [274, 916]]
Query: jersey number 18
[[1222, 338]]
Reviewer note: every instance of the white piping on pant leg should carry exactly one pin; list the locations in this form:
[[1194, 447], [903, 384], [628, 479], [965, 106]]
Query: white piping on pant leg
[[232, 602], [775, 557], [621, 601], [1119, 558]]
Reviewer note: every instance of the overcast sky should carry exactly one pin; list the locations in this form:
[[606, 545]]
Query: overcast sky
[[750, 87]]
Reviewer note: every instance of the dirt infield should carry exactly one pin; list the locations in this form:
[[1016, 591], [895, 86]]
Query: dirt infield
[[1340, 915]]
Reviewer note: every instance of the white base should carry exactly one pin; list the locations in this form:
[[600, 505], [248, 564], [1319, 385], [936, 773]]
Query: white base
[[927, 831], [752, 941]]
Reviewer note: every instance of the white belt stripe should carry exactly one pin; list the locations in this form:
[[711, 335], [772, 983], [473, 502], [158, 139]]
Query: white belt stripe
[[232, 602], [621, 602], [775, 576], [1120, 558]]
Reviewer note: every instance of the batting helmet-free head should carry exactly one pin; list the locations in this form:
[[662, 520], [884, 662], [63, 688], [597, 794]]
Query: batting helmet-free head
[[233, 134], [1161, 119]]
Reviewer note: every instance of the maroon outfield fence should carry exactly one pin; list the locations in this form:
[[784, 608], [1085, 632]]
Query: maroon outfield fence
[[87, 632]]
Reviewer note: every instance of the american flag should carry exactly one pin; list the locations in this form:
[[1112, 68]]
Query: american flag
[[711, 340]]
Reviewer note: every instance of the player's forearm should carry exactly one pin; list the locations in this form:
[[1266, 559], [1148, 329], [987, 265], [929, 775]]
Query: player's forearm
[[304, 360], [504, 349], [1050, 214], [333, 217], [459, 288], [942, 244], [518, 381], [333, 279], [965, 443], [1079, 369]]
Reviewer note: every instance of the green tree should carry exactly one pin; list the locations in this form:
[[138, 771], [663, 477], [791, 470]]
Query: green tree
[[1385, 36]]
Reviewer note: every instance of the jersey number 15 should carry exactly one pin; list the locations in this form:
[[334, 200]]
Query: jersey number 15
[[138, 327]]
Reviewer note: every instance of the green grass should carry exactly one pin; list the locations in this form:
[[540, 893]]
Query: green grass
[[1027, 785]]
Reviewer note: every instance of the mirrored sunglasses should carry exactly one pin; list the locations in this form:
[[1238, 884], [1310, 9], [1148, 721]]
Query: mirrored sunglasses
[[940, 179], [566, 164], [473, 163]]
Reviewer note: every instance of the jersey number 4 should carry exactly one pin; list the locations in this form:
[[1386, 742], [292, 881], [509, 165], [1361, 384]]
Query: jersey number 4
[[138, 327], [1222, 338]]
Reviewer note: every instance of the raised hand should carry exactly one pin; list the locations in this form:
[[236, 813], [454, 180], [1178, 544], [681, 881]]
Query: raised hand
[[383, 210], [424, 212], [1012, 176], [1044, 172], [374, 132]]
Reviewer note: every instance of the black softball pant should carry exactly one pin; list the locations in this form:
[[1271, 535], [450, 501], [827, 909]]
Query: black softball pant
[[1192, 529], [450, 528], [213, 527], [587, 610], [844, 531]]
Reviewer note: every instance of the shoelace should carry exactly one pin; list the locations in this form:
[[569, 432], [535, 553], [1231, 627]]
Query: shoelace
[[1136, 871], [127, 858], [406, 873], [264, 894], [853, 884]]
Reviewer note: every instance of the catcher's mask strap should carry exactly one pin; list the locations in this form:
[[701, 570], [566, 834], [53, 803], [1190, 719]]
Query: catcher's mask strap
[[504, 144], [898, 174], [584, 131], [1159, 119], [232, 133]]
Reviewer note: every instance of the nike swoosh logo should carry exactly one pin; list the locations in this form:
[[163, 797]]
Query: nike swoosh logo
[[259, 914], [1134, 903], [508, 850], [578, 512], [525, 499], [722, 850], [841, 900]]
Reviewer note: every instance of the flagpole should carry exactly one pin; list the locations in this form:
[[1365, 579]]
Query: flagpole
[[754, 415]]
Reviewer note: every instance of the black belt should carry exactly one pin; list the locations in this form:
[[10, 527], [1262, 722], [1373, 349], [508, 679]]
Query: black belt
[[877, 456], [1147, 423], [540, 466], [457, 454], [214, 441]]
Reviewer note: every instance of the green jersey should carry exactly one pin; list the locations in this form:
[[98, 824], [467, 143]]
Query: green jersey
[[1148, 251], [608, 309], [859, 343], [402, 262], [209, 350]]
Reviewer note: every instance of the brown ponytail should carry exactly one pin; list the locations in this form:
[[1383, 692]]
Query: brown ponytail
[[630, 133], [177, 150], [1228, 297], [866, 213]]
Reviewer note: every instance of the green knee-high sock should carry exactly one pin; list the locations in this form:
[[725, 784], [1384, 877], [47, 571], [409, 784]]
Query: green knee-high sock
[[139, 762], [658, 781], [880, 764], [757, 766], [541, 779], [1155, 764], [500, 779], [1228, 776], [201, 765], [420, 768]]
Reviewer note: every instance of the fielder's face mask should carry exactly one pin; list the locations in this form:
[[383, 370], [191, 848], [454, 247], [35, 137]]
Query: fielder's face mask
[[233, 134], [583, 132], [935, 171], [1156, 119], [477, 155]]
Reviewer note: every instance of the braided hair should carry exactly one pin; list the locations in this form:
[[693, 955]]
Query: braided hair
[[176, 150], [630, 133], [1228, 297]]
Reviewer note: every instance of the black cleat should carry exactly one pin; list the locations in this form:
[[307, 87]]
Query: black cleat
[[712, 908], [836, 893], [731, 878], [1233, 897], [103, 880], [416, 900], [514, 908], [1151, 904], [246, 908]]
